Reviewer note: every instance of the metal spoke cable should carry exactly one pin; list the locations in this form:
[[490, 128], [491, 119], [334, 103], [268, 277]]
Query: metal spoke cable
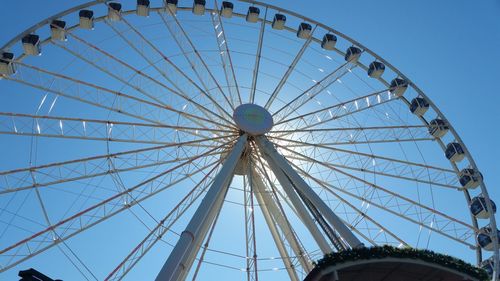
[[290, 69], [180, 36], [138, 72], [462, 240], [110, 92], [177, 69]]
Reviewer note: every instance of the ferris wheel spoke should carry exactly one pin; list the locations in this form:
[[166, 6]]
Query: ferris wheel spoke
[[278, 221], [363, 135], [225, 55], [100, 96], [100, 130], [334, 112], [166, 66], [161, 229], [350, 130], [83, 168], [258, 55], [290, 69], [401, 206], [309, 94], [372, 171], [193, 56], [103, 61], [372, 163], [79, 222], [106, 60]]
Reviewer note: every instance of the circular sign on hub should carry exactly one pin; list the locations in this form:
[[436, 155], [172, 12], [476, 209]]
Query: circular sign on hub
[[253, 119]]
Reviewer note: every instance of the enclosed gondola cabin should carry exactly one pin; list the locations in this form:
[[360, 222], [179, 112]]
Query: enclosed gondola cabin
[[470, 178], [488, 265], [86, 19], [31, 45], [485, 238], [143, 8], [352, 54], [226, 9], [479, 208], [454, 152], [171, 6], [252, 14], [279, 21], [199, 7], [419, 106], [376, 69], [329, 41], [438, 128], [304, 30], [398, 87], [7, 66], [114, 11], [57, 30]]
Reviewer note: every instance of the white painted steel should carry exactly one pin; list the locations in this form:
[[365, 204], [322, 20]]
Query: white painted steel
[[306, 190], [182, 256]]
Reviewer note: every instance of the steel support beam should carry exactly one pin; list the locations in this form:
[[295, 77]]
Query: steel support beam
[[279, 164], [274, 231], [300, 209], [268, 205], [184, 252]]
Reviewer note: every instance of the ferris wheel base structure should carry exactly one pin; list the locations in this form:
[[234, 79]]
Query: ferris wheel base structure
[[253, 121]]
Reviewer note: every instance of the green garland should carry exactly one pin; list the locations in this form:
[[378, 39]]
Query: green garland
[[393, 252]]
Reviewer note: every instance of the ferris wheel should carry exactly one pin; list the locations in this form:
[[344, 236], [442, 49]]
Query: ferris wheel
[[193, 140]]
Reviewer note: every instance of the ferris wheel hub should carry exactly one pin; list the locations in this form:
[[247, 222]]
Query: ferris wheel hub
[[253, 119]]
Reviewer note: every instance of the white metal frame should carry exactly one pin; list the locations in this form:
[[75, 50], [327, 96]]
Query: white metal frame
[[278, 164]]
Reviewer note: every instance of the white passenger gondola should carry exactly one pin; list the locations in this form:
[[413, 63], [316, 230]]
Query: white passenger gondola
[[57, 30], [479, 208], [304, 30], [171, 6], [376, 69], [352, 54], [419, 106], [253, 14], [470, 178], [114, 11], [329, 41], [226, 9], [485, 238], [454, 152], [279, 21], [143, 8], [31, 45], [488, 265], [398, 87], [438, 128], [199, 7], [7, 66], [86, 19]]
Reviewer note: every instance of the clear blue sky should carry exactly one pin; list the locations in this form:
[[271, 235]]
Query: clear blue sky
[[449, 48]]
